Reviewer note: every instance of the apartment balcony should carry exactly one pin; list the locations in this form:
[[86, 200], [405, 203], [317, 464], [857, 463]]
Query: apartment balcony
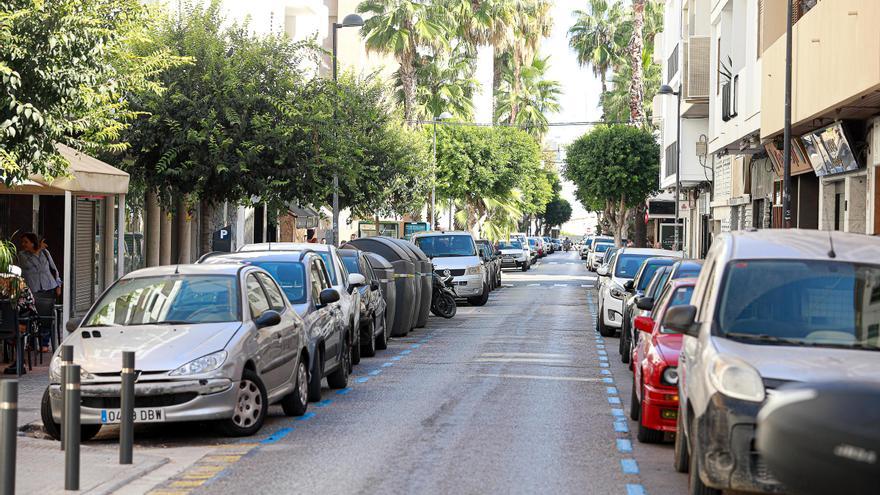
[[835, 69]]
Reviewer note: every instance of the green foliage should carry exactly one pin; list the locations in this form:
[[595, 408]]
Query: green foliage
[[445, 83], [526, 98], [7, 255], [557, 212], [598, 38], [66, 69]]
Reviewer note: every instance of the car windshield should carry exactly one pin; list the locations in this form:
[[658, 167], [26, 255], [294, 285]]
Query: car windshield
[[533, 242], [447, 246], [171, 299], [510, 245], [687, 271], [290, 276], [603, 246], [661, 281], [351, 263], [648, 272], [801, 302], [628, 264], [680, 297]]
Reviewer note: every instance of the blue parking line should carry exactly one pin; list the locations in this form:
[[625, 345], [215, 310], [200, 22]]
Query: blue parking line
[[308, 415], [611, 390], [385, 365], [603, 365], [605, 372], [600, 346], [343, 391], [278, 435], [362, 379], [602, 353], [416, 346], [621, 427], [624, 445], [374, 372], [603, 358], [629, 466], [323, 403], [608, 379], [614, 400], [634, 489], [617, 412], [405, 352], [396, 358]]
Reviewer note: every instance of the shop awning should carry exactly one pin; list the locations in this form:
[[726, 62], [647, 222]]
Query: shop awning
[[87, 175]]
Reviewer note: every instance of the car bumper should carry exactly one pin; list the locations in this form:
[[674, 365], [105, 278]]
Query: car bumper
[[513, 262], [726, 435], [660, 407], [468, 285], [213, 398], [612, 312]]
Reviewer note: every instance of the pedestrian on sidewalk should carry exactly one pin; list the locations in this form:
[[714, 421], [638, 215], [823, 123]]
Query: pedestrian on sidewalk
[[41, 275]]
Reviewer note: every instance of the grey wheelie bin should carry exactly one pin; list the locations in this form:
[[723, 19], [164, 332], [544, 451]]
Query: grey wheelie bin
[[385, 273], [406, 303], [424, 278]]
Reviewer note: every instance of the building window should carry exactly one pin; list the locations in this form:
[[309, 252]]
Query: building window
[[672, 64], [671, 159]]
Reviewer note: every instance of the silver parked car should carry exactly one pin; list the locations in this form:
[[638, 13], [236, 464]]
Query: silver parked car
[[211, 342]]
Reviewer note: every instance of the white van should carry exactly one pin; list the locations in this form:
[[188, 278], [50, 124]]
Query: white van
[[456, 252]]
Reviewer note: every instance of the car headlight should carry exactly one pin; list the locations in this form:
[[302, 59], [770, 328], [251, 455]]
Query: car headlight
[[737, 379], [670, 376], [473, 270], [55, 371], [617, 292], [203, 364]]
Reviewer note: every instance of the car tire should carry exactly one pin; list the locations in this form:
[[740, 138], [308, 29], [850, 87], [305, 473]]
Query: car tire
[[355, 345], [604, 330], [635, 407], [382, 338], [297, 402], [315, 376], [525, 266], [339, 378], [368, 341], [680, 454], [53, 429], [251, 407], [625, 349], [695, 483], [482, 299]]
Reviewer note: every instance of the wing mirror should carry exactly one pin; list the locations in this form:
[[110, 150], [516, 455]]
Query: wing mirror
[[73, 324], [269, 318], [602, 271], [328, 296], [644, 324], [629, 285], [645, 303], [680, 319], [374, 285], [355, 280]]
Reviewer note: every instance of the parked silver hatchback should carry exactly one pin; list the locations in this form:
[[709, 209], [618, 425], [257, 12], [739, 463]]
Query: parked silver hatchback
[[212, 342]]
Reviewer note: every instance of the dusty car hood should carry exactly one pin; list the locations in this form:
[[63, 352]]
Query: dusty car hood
[[669, 347], [156, 347], [455, 262], [804, 364]]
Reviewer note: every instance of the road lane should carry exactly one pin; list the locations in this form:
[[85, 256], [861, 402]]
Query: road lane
[[514, 397]]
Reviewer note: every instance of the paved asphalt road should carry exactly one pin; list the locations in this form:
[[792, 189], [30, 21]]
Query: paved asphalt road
[[507, 398]]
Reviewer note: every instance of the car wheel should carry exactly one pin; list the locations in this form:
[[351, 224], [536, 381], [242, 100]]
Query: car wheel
[[680, 455], [251, 405], [625, 350], [525, 266], [339, 378], [368, 342], [482, 298], [296, 402], [355, 345], [315, 376], [382, 338], [695, 483], [635, 407], [53, 429], [604, 330]]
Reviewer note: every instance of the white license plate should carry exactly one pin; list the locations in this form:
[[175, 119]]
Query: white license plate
[[141, 415]]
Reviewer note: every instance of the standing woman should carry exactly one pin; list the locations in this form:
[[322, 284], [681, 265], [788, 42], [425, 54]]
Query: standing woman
[[39, 271]]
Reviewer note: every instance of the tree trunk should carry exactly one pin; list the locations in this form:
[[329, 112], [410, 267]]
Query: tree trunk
[[640, 230], [378, 225], [184, 231], [206, 226], [604, 80], [497, 64], [165, 227], [515, 89], [636, 88], [153, 214]]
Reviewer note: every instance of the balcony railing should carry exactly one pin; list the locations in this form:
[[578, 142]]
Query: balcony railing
[[672, 64]]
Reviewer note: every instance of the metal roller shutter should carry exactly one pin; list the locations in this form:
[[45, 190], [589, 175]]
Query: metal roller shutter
[[83, 256]]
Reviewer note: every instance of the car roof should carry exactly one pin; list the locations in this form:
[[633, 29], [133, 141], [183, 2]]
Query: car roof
[[682, 282], [431, 233], [802, 244], [665, 260], [255, 256], [652, 251], [688, 263], [284, 246], [187, 269]]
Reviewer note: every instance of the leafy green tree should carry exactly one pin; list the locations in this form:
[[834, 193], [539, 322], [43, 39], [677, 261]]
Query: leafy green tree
[[616, 166], [556, 212], [445, 83], [595, 37], [66, 70], [525, 99]]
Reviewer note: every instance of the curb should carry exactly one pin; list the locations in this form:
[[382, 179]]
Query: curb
[[114, 485]]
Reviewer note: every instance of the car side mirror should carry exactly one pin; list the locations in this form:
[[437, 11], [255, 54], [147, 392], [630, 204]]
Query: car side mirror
[[680, 319], [645, 303], [73, 324], [328, 296], [269, 318], [355, 280], [644, 324], [602, 271], [374, 285], [629, 285]]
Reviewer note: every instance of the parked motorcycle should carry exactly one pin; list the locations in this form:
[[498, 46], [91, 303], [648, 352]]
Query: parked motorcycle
[[443, 296]]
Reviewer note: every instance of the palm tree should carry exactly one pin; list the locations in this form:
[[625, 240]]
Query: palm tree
[[526, 99], [635, 52], [445, 82], [401, 27], [594, 37]]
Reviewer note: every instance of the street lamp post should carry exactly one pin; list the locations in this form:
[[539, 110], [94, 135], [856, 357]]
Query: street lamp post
[[441, 117], [667, 90], [351, 20], [786, 133]]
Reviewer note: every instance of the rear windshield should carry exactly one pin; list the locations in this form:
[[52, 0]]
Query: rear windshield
[[510, 245], [649, 271], [801, 302], [351, 264], [446, 246], [602, 247], [687, 271], [628, 264], [290, 276]]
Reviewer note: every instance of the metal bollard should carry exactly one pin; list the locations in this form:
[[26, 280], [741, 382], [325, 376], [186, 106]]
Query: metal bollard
[[71, 427], [66, 359], [126, 412], [8, 434]]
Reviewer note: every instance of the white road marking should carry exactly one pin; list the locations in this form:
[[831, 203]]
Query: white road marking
[[560, 285], [544, 377], [534, 285], [521, 360], [523, 354]]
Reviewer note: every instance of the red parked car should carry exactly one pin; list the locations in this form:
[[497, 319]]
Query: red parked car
[[655, 366]]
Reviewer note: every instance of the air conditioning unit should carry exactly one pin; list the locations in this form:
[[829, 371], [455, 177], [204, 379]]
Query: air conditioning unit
[[658, 48], [697, 67]]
